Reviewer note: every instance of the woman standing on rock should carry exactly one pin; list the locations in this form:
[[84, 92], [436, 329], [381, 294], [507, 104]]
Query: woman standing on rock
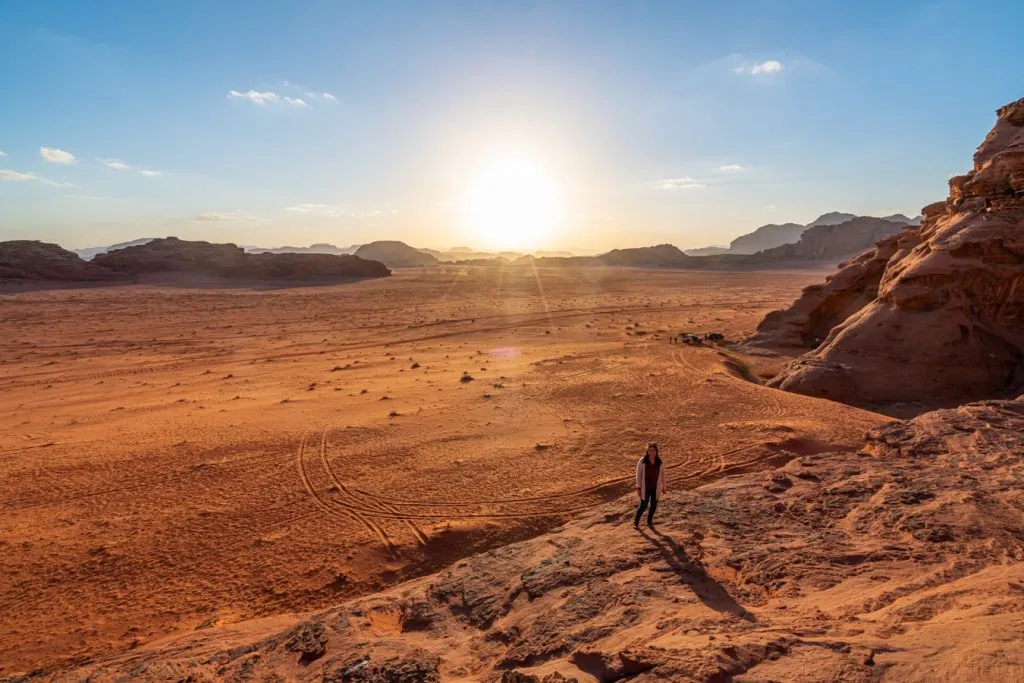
[[650, 484]]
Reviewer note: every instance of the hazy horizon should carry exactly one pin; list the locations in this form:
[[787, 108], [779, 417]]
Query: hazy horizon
[[523, 127]]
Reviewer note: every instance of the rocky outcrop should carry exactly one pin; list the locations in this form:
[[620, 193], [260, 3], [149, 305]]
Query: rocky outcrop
[[395, 254], [901, 562], [947, 322], [821, 307], [172, 255], [33, 260]]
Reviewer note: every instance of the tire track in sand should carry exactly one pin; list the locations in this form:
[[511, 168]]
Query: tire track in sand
[[330, 507], [350, 495]]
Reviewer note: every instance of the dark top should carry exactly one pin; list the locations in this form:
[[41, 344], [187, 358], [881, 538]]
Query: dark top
[[651, 471]]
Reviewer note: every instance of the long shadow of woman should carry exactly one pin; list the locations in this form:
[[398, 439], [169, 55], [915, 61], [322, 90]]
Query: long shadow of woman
[[708, 590]]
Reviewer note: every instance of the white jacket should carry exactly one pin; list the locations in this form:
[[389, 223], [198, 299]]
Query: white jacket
[[641, 476]]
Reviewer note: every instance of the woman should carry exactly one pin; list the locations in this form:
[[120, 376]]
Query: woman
[[650, 484]]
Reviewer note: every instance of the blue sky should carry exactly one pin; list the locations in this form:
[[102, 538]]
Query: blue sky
[[292, 123]]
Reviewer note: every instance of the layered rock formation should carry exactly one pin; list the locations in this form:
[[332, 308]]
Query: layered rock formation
[[821, 307], [945, 318], [903, 562], [395, 254], [172, 255], [33, 260]]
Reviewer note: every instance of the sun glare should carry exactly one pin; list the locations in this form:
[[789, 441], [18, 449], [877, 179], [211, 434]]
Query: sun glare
[[512, 204]]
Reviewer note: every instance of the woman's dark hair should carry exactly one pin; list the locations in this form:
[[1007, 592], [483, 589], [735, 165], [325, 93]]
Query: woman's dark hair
[[657, 453]]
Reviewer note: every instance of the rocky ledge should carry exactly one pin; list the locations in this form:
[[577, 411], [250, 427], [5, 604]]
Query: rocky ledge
[[902, 562]]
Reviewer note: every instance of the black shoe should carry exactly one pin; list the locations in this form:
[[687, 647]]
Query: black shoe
[[636, 525]]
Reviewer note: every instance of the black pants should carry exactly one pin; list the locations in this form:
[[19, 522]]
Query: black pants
[[651, 498]]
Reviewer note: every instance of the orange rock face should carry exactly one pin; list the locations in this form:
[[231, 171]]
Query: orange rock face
[[933, 314]]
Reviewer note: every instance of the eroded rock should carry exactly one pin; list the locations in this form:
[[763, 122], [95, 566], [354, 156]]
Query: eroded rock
[[934, 314]]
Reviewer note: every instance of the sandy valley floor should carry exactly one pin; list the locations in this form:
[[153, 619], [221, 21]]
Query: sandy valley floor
[[174, 458]]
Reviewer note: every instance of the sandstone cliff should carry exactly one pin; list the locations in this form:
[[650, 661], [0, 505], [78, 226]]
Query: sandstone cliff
[[936, 314]]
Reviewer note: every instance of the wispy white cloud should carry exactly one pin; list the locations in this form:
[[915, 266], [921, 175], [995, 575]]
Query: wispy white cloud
[[3, 153], [87, 197], [771, 66], [119, 165], [731, 168], [260, 98], [19, 177], [331, 211], [56, 156], [115, 164], [329, 96], [684, 183], [296, 101], [236, 216]]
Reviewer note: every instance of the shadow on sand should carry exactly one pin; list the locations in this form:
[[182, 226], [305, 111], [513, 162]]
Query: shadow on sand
[[709, 590]]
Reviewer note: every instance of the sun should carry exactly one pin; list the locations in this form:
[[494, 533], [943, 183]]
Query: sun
[[512, 204]]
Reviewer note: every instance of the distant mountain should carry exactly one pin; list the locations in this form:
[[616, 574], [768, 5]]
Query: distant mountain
[[89, 253], [766, 237], [900, 218], [34, 260], [318, 248], [396, 254], [831, 218], [461, 254], [775, 235], [706, 251], [829, 242], [172, 255], [660, 256]]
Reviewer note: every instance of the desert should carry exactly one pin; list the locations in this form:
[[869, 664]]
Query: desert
[[503, 342], [176, 458]]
